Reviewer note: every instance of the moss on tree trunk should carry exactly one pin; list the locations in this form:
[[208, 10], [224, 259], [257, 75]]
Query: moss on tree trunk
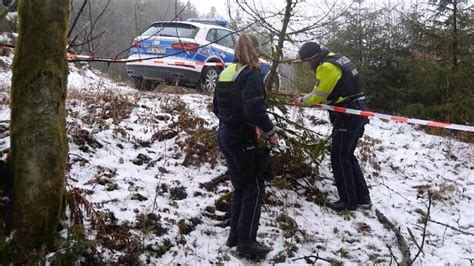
[[38, 124]]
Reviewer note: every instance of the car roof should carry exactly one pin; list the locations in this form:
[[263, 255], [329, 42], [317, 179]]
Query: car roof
[[197, 24]]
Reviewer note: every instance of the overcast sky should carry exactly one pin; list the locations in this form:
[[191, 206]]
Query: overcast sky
[[204, 6]]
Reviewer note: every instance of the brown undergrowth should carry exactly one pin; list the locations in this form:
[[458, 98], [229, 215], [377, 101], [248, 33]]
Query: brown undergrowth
[[108, 233], [4, 95], [368, 152], [103, 105], [199, 145]]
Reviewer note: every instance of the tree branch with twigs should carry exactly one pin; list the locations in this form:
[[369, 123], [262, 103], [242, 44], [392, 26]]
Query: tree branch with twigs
[[402, 243]]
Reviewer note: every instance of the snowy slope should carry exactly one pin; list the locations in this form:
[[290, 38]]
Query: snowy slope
[[129, 169]]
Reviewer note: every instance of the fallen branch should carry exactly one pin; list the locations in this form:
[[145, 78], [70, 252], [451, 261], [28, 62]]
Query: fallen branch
[[414, 239], [452, 227], [470, 260], [425, 225], [392, 256], [77, 155], [316, 258], [211, 185], [402, 243], [5, 10]]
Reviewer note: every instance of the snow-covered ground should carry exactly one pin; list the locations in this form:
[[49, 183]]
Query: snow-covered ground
[[131, 154]]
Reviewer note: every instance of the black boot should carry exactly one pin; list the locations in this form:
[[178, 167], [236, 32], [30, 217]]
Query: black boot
[[232, 240], [365, 202], [252, 249], [341, 206]]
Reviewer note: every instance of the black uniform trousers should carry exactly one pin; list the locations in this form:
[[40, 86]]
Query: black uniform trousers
[[237, 146], [347, 130]]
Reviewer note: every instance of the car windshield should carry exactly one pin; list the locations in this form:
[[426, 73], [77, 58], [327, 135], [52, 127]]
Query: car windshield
[[172, 30]]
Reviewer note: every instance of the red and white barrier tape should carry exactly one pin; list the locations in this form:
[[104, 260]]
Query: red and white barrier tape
[[89, 57], [187, 63], [396, 118], [322, 106], [6, 46], [154, 61]]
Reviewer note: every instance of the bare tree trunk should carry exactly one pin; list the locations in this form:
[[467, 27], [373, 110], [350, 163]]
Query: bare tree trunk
[[38, 125], [279, 48], [455, 34]]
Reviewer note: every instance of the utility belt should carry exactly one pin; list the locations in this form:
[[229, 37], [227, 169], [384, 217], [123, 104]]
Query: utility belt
[[360, 97], [259, 161], [354, 102], [256, 161], [246, 131]]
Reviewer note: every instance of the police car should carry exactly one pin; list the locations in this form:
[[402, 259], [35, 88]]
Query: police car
[[190, 53]]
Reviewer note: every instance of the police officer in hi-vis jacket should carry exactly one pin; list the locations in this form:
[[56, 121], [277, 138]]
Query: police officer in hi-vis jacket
[[338, 83], [239, 104]]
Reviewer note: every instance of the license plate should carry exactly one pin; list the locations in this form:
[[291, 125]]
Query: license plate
[[156, 50]]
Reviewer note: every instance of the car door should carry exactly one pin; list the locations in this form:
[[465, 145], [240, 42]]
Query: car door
[[223, 43]]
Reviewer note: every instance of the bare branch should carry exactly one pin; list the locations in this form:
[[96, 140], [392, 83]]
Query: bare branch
[[425, 221], [84, 43], [77, 18], [413, 238], [316, 258], [94, 23], [174, 19], [392, 256], [452, 227], [122, 60]]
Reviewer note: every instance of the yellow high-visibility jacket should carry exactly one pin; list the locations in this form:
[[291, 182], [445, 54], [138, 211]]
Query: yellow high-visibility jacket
[[327, 76]]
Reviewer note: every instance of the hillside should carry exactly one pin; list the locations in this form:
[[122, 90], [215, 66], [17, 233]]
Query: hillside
[[145, 174]]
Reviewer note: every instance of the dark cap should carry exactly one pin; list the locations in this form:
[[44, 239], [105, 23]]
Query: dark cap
[[309, 50]]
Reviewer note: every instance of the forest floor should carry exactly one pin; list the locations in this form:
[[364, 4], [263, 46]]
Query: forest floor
[[148, 184]]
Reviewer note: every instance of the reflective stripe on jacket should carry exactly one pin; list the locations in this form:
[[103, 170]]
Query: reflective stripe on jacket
[[336, 80]]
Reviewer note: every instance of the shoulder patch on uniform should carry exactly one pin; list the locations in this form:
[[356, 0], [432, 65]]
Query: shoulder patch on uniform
[[343, 60]]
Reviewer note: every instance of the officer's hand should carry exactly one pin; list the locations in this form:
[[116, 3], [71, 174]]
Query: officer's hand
[[273, 139], [298, 101], [258, 133]]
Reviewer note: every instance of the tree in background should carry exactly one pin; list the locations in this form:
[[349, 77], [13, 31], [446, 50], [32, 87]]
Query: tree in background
[[442, 60], [295, 22], [38, 124], [212, 13], [376, 42], [417, 64]]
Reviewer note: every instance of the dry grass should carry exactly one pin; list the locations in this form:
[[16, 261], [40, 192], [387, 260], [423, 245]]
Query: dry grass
[[112, 236], [440, 192], [368, 152], [467, 137], [104, 105], [4, 95], [199, 146], [173, 105]]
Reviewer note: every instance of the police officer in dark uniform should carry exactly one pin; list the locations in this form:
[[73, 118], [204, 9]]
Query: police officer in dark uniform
[[339, 84], [239, 104]]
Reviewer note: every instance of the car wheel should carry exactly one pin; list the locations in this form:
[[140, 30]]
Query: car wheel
[[137, 82], [209, 79], [142, 84]]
